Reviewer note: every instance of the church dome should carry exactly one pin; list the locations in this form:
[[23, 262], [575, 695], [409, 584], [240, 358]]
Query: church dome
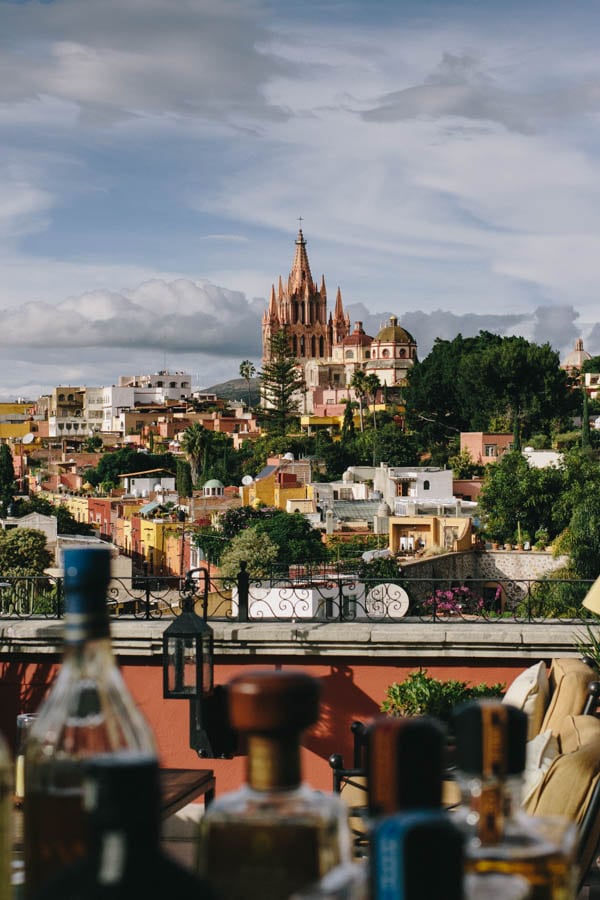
[[394, 333], [576, 358]]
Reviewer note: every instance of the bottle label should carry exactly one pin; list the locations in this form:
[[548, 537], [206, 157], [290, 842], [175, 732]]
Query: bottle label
[[269, 861]]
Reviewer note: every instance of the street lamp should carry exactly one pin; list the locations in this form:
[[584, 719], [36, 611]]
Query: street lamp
[[188, 672]]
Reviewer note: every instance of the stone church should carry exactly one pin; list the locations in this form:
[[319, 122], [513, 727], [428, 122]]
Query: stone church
[[323, 343]]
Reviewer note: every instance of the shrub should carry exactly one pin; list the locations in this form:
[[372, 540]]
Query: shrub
[[455, 600], [422, 695]]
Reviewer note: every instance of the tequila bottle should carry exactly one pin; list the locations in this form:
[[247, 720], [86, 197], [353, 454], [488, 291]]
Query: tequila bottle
[[125, 860], [275, 835], [501, 838], [89, 710]]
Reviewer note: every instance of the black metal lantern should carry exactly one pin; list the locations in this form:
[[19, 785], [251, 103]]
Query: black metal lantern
[[188, 671]]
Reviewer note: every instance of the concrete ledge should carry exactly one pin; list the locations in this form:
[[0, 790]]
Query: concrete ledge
[[429, 640]]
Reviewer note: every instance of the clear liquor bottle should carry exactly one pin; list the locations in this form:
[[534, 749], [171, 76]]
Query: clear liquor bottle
[[501, 838], [275, 835], [88, 710], [6, 790], [125, 859]]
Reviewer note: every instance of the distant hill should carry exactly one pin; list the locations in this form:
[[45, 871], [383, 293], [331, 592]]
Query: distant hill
[[237, 389]]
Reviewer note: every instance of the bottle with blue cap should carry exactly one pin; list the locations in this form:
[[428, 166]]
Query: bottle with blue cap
[[89, 710]]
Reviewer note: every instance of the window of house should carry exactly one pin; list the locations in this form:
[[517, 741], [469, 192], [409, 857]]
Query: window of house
[[426, 485], [489, 450]]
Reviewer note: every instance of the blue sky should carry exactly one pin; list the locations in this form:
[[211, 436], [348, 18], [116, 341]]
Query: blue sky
[[155, 156]]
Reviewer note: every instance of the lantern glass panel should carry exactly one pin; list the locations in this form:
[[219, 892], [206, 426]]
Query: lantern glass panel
[[207, 664], [181, 659]]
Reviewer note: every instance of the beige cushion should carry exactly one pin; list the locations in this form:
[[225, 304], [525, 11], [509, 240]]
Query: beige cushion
[[569, 681], [541, 753], [575, 731], [530, 691], [567, 786]]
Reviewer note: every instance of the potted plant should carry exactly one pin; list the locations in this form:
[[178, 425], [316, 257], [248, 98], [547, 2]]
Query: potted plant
[[422, 695]]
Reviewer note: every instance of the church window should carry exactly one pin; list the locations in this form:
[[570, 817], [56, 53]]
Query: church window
[[402, 353], [302, 311], [321, 347], [302, 346], [313, 346], [349, 354], [385, 353], [294, 345], [426, 485], [367, 354]]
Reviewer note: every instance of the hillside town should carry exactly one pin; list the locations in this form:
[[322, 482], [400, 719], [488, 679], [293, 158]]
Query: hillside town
[[372, 450]]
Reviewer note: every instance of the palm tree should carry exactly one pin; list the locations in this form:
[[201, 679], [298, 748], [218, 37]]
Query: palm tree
[[372, 385], [247, 371], [196, 442], [358, 384]]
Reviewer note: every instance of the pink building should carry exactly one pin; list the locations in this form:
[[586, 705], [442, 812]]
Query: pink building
[[485, 448]]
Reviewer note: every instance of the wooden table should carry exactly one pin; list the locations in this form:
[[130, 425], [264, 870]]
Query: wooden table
[[179, 787]]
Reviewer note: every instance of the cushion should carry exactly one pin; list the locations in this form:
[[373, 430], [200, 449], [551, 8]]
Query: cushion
[[569, 680], [529, 692], [541, 753], [575, 731], [567, 786]]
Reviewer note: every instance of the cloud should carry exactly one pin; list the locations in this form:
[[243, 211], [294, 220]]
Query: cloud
[[179, 317], [123, 58], [461, 87]]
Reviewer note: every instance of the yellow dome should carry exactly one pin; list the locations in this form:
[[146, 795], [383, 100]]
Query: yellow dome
[[394, 333]]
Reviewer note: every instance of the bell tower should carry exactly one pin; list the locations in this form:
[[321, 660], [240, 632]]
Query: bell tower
[[300, 308]]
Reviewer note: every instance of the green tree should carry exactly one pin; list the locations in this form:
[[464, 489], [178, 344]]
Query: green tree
[[212, 542], [258, 550], [247, 372], [583, 542], [515, 496], [485, 379], [585, 422], [281, 381], [195, 443], [183, 482], [127, 460], [92, 443], [296, 540], [7, 479], [348, 429], [464, 466], [66, 523], [23, 551]]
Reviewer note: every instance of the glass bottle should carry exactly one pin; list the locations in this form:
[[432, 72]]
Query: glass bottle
[[88, 710], [6, 790], [125, 860], [275, 835], [501, 838]]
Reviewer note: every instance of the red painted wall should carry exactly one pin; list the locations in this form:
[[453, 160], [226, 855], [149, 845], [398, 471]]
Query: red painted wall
[[353, 690]]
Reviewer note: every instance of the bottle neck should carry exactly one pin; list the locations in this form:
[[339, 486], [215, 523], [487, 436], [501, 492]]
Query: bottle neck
[[273, 762], [488, 804]]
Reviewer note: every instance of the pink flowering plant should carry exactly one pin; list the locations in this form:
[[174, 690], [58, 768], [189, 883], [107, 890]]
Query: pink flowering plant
[[454, 601]]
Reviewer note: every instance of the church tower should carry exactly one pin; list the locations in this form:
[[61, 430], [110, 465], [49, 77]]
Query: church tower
[[300, 308]]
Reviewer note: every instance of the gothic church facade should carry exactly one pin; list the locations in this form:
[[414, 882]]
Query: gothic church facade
[[322, 342]]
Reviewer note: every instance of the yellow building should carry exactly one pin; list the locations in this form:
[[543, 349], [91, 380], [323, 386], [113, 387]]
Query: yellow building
[[278, 482], [410, 534]]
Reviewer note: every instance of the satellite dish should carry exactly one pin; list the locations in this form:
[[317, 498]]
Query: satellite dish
[[28, 438], [289, 456], [247, 479]]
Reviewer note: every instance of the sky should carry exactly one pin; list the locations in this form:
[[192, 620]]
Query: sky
[[156, 155]]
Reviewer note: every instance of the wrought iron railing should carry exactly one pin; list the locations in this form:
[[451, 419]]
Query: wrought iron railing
[[323, 597]]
